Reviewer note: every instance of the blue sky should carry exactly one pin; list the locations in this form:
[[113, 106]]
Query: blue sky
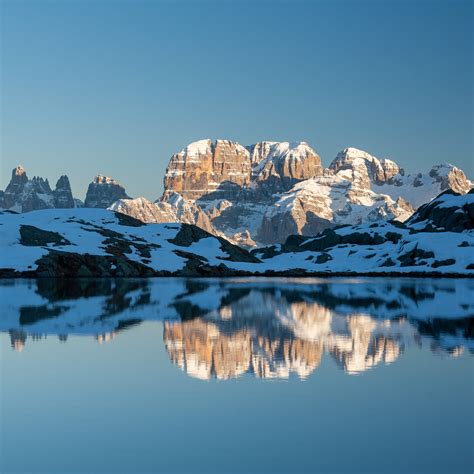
[[116, 87]]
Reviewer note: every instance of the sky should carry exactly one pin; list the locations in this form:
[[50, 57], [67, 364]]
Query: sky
[[117, 87]]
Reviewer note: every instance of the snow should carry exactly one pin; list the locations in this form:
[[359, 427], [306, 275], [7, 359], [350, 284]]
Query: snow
[[81, 227], [450, 200], [197, 148]]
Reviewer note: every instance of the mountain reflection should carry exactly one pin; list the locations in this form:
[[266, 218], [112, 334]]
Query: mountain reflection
[[271, 328]]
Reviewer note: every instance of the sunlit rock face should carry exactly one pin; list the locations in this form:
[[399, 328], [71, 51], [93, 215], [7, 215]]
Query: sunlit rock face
[[364, 169], [205, 167], [175, 209], [202, 351]]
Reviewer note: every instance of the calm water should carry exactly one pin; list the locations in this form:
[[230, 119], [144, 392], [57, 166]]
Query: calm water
[[239, 375]]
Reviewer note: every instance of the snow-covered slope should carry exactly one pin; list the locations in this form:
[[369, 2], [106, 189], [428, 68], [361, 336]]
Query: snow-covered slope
[[438, 239], [93, 242]]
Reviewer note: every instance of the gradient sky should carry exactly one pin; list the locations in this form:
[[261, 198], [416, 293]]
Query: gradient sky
[[116, 87]]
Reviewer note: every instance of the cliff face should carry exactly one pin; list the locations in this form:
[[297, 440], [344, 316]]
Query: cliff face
[[219, 170], [204, 168]]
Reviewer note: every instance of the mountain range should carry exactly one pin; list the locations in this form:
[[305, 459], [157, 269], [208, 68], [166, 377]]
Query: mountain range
[[257, 195]]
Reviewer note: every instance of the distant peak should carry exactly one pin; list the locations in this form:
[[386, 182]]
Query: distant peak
[[18, 171]]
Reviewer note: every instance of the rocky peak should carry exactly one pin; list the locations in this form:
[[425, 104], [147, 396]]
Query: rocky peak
[[18, 180], [24, 195], [63, 197], [219, 170], [450, 177], [283, 164], [103, 191], [363, 169]]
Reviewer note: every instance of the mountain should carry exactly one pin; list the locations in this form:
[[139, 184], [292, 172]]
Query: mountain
[[437, 240], [261, 194], [104, 191], [24, 195]]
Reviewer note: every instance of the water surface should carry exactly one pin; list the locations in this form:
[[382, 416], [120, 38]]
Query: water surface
[[237, 375]]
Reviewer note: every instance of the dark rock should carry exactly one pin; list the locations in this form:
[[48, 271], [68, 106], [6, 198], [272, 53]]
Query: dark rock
[[32, 236], [443, 263]]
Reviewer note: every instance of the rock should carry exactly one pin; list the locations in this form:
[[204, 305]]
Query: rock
[[62, 194], [173, 209], [32, 236], [103, 192], [450, 211], [205, 168]]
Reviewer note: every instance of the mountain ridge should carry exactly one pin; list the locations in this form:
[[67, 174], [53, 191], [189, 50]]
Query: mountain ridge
[[257, 195]]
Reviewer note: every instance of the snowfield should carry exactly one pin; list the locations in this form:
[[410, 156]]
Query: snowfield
[[437, 240]]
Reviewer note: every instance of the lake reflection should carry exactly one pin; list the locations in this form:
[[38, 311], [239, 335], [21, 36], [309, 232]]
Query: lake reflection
[[270, 328]]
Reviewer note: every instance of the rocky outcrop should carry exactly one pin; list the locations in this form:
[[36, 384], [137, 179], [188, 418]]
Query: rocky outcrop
[[103, 192], [174, 209], [24, 195], [450, 211]]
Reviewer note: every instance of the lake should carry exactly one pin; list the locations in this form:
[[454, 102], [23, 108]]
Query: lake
[[237, 375]]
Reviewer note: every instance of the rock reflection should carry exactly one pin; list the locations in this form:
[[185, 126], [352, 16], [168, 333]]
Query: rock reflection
[[205, 349], [224, 329]]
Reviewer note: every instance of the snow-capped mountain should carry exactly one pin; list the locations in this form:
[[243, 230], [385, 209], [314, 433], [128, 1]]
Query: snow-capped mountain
[[24, 195], [261, 194]]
